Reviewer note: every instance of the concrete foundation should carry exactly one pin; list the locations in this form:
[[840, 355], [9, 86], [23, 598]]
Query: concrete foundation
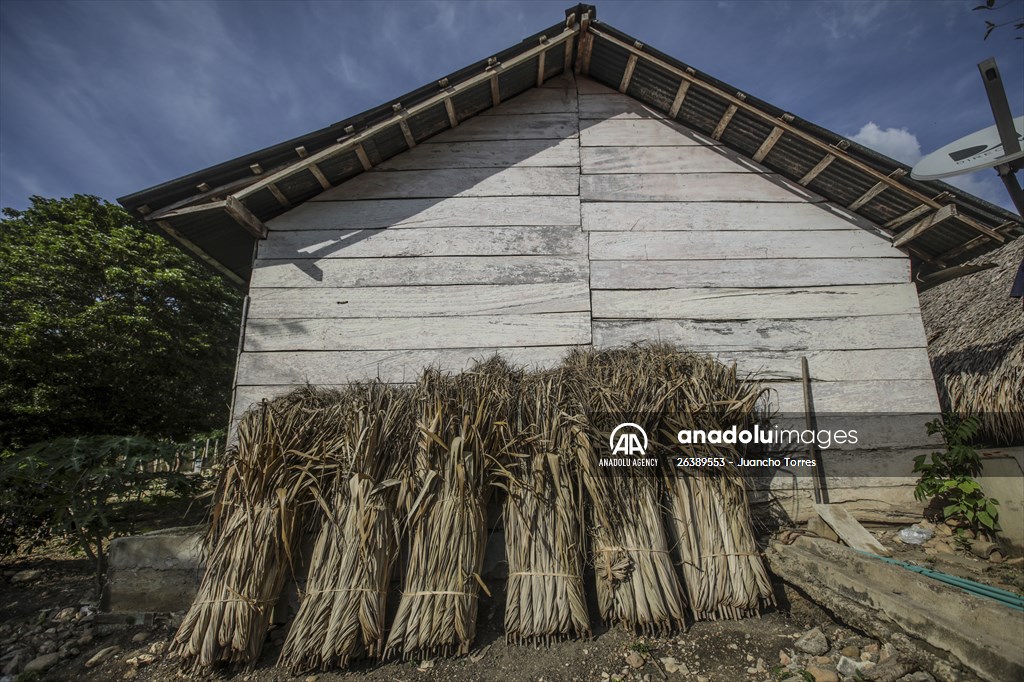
[[153, 573]]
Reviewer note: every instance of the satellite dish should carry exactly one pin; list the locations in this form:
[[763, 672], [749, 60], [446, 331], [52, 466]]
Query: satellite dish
[[979, 150]]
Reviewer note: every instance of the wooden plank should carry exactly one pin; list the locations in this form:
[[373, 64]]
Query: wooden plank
[[244, 217], [879, 364], [930, 222], [818, 168], [727, 245], [723, 122], [616, 160], [364, 159], [558, 126], [712, 216], [886, 396], [410, 141], [849, 333], [417, 334], [390, 272], [455, 241], [457, 182], [317, 214], [495, 91], [495, 331], [616, 106], [319, 175], [419, 301], [677, 101], [689, 186], [637, 133], [536, 101], [627, 74], [756, 304], [257, 370], [279, 195], [753, 272], [768, 143], [492, 154], [849, 530], [449, 109], [875, 190], [907, 217]]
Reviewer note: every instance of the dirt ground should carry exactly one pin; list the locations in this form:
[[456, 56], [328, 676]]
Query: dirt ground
[[726, 651], [47, 608]]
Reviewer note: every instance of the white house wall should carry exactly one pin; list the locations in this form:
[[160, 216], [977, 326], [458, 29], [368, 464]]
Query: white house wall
[[573, 217]]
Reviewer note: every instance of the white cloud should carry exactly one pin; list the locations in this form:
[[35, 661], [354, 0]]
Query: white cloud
[[898, 143]]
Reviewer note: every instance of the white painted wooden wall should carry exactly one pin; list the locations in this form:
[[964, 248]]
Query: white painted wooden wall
[[575, 216]]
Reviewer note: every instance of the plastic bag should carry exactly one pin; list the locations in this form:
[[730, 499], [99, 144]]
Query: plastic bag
[[916, 535]]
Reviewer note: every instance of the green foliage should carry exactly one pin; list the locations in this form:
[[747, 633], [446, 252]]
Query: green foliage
[[949, 476], [72, 488], [640, 646], [107, 328]]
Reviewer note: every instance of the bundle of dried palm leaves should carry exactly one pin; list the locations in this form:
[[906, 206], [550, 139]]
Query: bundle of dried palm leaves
[[709, 514], [341, 615], [462, 432], [637, 584], [544, 520], [285, 447]]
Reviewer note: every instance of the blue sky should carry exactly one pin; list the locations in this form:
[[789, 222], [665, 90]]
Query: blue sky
[[108, 98]]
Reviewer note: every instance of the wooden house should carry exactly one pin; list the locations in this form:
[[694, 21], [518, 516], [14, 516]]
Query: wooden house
[[579, 188]]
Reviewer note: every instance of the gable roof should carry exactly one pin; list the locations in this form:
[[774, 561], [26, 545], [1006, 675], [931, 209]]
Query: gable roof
[[219, 213]]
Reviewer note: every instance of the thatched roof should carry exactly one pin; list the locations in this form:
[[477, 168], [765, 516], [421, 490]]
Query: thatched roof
[[976, 344]]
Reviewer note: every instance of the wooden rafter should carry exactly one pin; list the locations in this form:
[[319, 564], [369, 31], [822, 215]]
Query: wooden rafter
[[495, 91], [816, 171], [244, 217], [540, 62], [768, 143], [627, 74], [279, 195], [875, 190], [584, 45], [364, 159], [677, 103], [930, 222], [807, 138], [319, 175], [410, 141], [972, 244], [907, 217], [723, 122]]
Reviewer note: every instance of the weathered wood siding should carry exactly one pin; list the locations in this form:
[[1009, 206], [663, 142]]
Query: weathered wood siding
[[692, 244], [469, 244], [575, 216]]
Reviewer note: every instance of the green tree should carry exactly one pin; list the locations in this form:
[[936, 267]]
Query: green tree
[[107, 328], [82, 490]]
